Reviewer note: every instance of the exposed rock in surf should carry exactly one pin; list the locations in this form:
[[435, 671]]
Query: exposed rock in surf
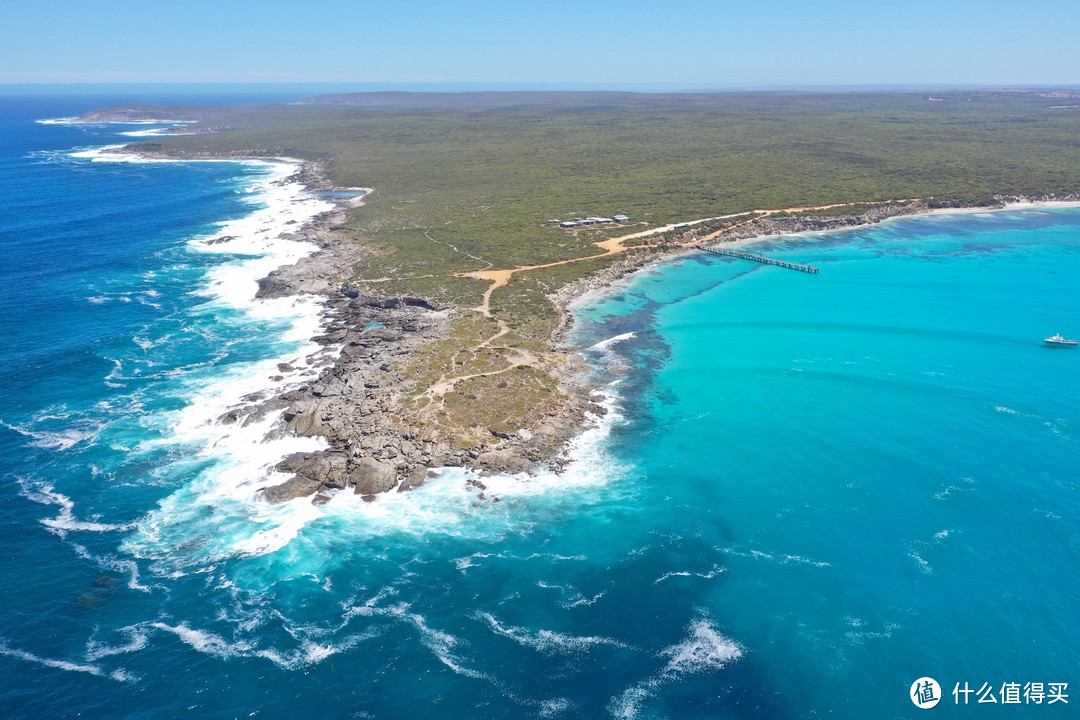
[[413, 480], [371, 476], [321, 272], [354, 401]]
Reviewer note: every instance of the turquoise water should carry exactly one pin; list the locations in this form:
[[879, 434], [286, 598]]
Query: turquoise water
[[809, 490], [881, 458]]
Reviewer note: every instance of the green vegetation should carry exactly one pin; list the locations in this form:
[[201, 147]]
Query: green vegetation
[[512, 400], [467, 183], [453, 355]]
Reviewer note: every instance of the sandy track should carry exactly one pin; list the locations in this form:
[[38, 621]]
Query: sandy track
[[613, 246], [617, 245]]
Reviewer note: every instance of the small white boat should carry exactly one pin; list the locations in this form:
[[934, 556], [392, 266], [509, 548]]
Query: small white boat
[[1058, 340]]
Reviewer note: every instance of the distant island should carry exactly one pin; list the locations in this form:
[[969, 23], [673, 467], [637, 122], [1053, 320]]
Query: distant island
[[448, 282]]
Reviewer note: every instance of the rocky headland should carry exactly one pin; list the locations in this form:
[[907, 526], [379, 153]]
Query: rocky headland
[[357, 401], [153, 113]]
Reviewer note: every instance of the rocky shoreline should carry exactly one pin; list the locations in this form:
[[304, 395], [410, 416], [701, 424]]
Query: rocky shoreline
[[356, 402]]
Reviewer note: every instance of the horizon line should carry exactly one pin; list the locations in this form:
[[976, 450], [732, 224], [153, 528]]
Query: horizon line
[[345, 87]]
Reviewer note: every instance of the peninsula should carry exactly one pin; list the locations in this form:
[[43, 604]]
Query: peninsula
[[448, 281]]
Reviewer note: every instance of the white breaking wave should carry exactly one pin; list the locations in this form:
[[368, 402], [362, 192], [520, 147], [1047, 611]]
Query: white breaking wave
[[77, 121], [547, 641], [605, 344], [204, 641], [450, 504], [244, 458], [705, 650], [716, 570], [138, 640], [441, 644], [154, 132], [65, 521], [116, 565], [118, 675], [786, 559], [55, 440], [217, 514]]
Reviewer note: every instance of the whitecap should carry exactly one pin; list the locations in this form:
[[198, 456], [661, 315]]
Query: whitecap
[[66, 665], [137, 640], [53, 440], [859, 635], [556, 557], [65, 521], [572, 597], [464, 563], [921, 563], [440, 643], [786, 559], [669, 575], [628, 704], [800, 560], [714, 572], [548, 642], [204, 641], [554, 707], [54, 412], [605, 344], [309, 653], [114, 564], [369, 608], [705, 650]]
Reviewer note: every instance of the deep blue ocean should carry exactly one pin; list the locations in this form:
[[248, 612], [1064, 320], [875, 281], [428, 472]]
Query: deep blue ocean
[[810, 490]]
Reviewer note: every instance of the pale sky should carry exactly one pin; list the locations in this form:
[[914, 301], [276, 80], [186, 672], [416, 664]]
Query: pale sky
[[688, 43]]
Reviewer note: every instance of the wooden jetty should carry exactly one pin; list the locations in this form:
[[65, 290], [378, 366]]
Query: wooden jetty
[[764, 260]]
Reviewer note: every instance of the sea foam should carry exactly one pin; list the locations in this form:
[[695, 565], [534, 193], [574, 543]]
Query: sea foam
[[258, 243], [547, 642], [704, 650], [67, 665]]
